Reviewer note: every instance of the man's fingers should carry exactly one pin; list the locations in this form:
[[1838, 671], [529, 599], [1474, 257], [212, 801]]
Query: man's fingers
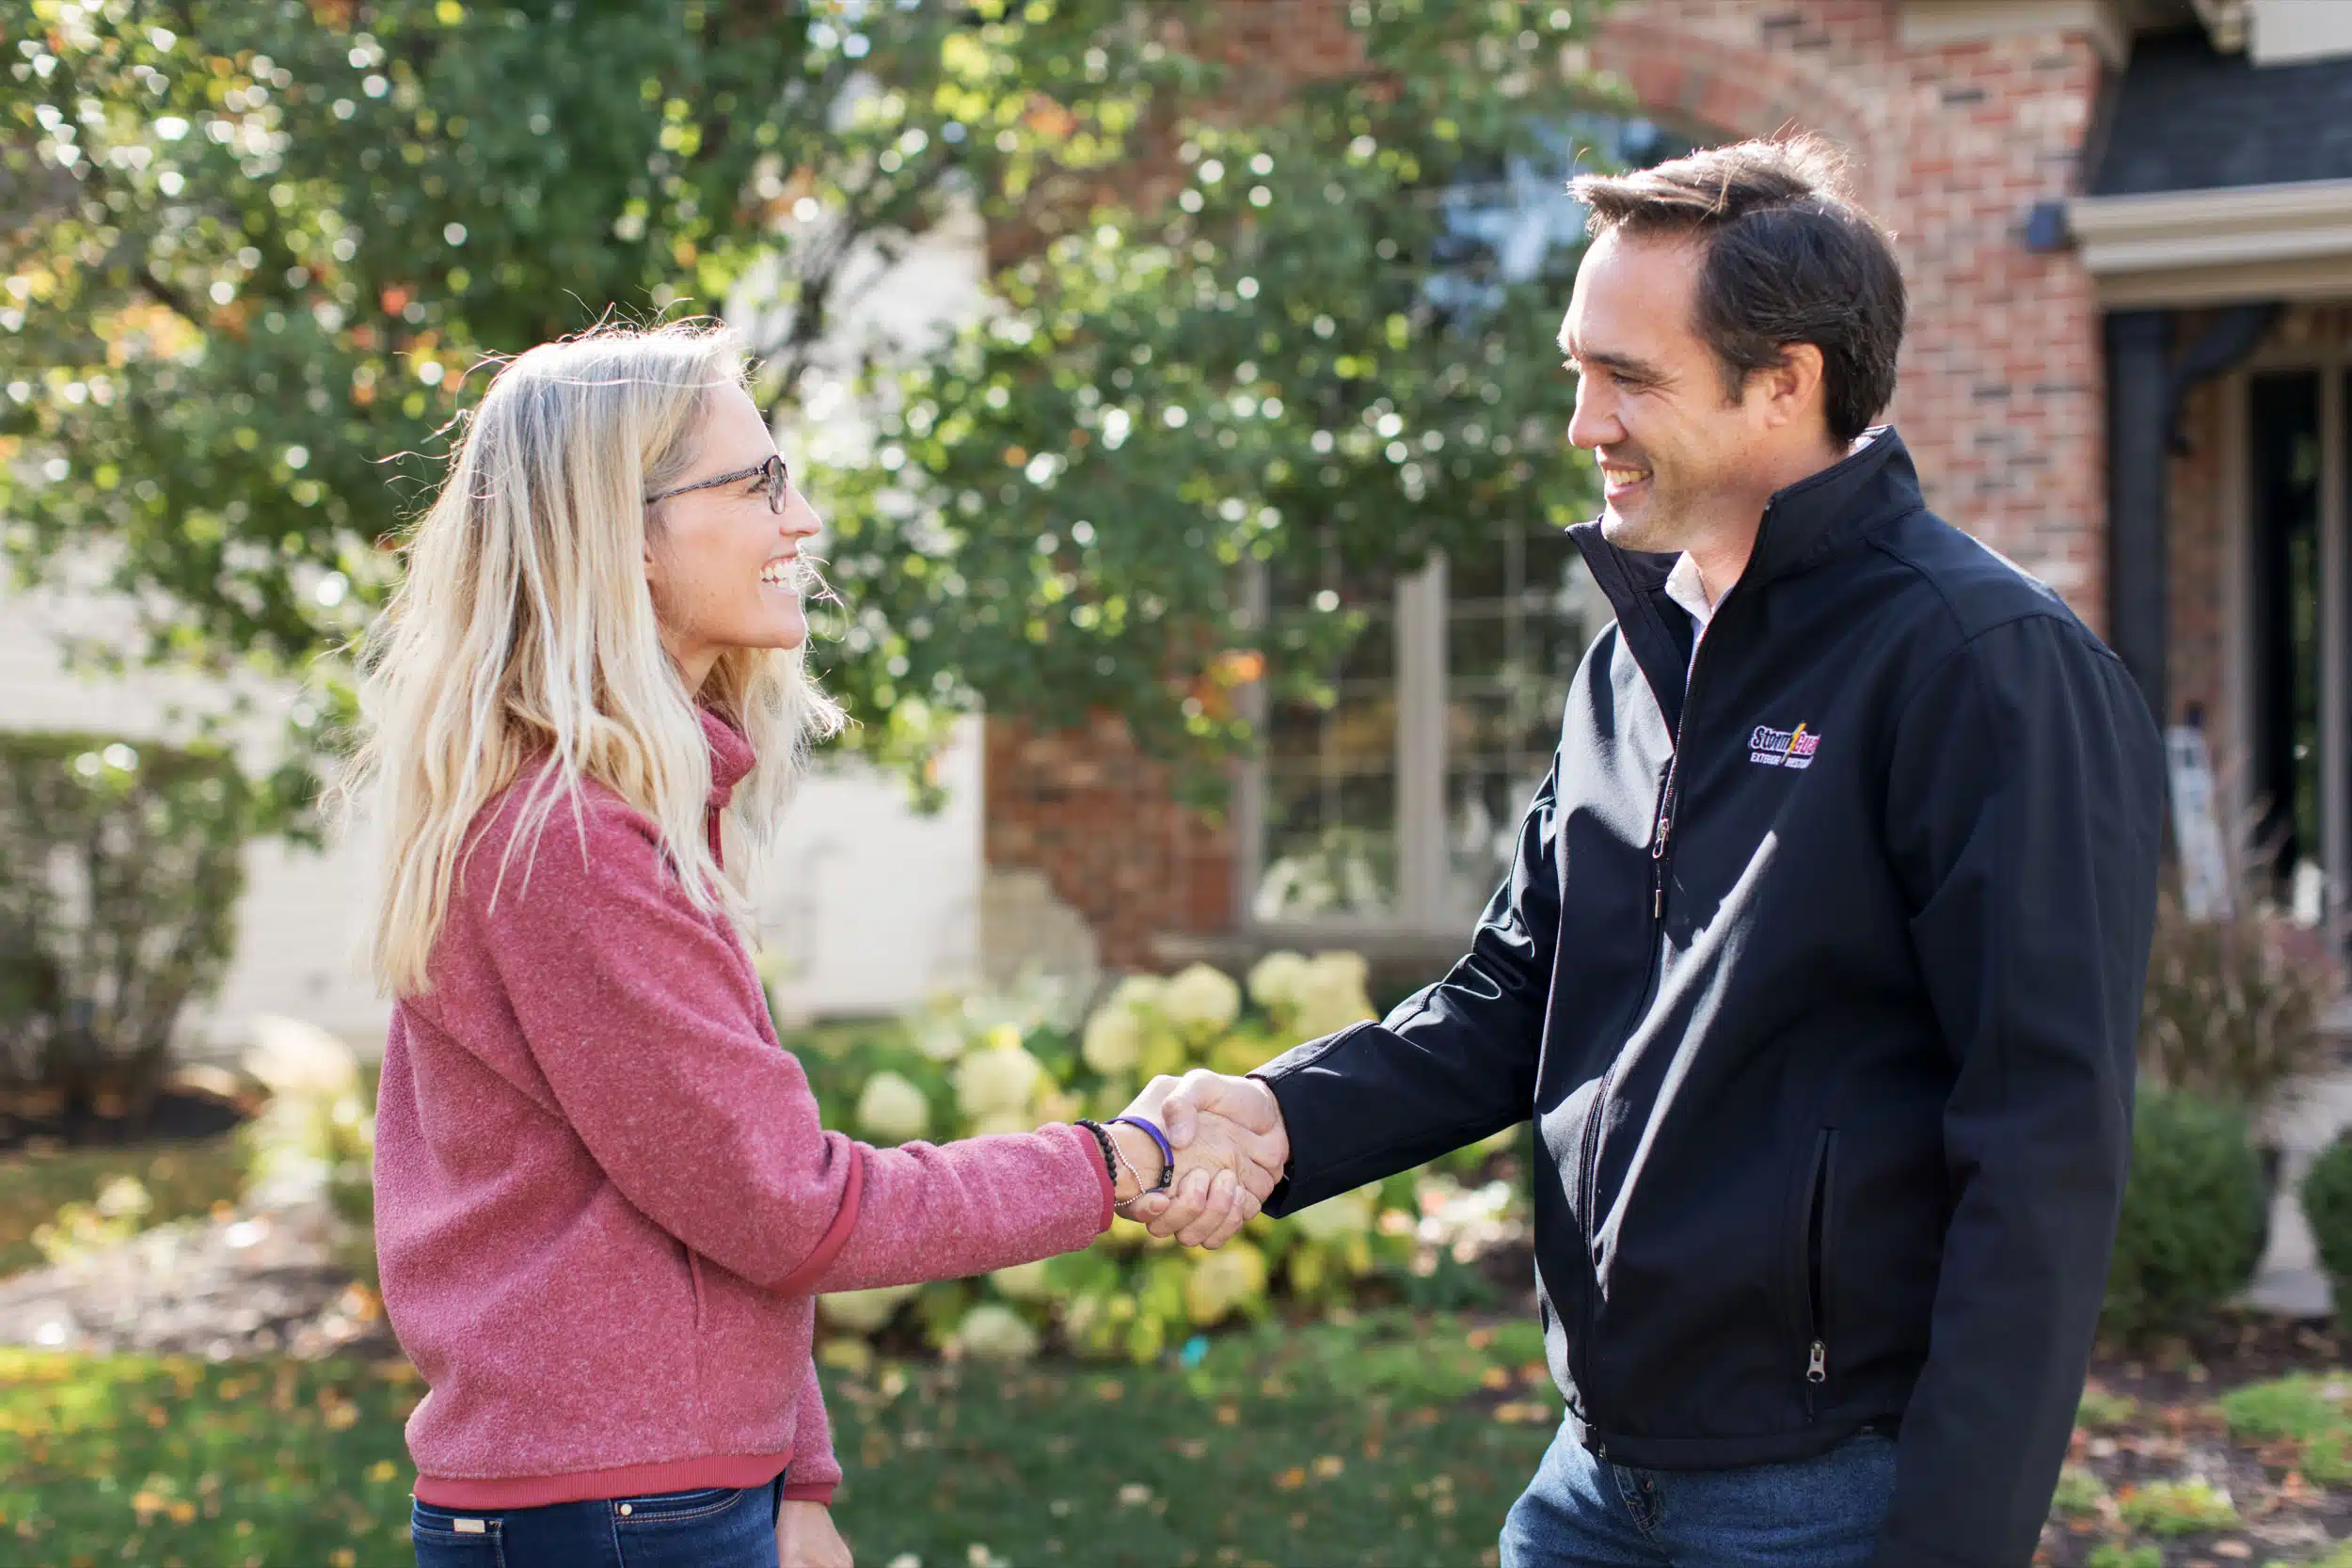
[[1179, 1120], [1214, 1213], [1191, 1196], [1246, 1210]]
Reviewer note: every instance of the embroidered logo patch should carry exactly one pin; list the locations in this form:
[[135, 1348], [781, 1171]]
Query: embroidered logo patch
[[1772, 748]]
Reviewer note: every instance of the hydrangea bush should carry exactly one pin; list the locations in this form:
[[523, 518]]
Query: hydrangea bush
[[993, 1065]]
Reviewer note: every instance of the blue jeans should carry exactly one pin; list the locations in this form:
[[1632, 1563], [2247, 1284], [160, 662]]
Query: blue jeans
[[719, 1527], [1584, 1513]]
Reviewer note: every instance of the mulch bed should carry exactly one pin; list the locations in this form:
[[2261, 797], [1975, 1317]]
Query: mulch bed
[[2177, 1433]]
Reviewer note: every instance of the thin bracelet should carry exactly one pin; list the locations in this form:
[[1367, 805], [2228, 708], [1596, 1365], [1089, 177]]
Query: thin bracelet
[[1168, 1154], [1129, 1166]]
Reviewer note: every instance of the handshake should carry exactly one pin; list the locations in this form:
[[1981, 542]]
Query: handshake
[[1231, 1150]]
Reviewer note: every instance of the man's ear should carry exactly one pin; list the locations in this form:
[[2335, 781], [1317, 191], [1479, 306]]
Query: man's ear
[[1792, 389]]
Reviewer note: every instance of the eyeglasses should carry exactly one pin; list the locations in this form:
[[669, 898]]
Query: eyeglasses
[[776, 478]]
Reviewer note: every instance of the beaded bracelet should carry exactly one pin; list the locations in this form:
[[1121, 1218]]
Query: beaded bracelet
[[1110, 1151]]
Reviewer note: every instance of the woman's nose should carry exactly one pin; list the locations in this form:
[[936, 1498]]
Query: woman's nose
[[800, 519]]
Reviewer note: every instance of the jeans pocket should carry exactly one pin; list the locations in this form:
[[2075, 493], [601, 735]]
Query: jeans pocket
[[447, 1540], [660, 1508], [712, 1528]]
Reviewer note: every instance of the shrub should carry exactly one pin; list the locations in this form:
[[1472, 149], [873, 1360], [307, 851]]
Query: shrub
[[2232, 1007], [2193, 1221], [1003, 1063], [121, 866], [2328, 1204]]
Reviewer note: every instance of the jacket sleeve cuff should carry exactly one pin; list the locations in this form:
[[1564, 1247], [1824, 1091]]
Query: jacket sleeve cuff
[[1102, 1175], [812, 1492]]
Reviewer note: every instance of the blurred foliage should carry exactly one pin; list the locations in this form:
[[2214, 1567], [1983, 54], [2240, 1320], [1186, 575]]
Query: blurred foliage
[[254, 249], [2234, 1004], [2328, 1205], [121, 866], [56, 1196], [2194, 1216], [317, 1133], [984, 1066], [2310, 1411], [1290, 344]]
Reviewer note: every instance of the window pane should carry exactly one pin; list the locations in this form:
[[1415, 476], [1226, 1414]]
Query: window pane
[[1330, 844], [2287, 592], [1518, 620], [1331, 839]]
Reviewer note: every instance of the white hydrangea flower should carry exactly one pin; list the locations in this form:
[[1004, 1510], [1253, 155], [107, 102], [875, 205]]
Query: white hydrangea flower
[[1339, 969], [1201, 1001], [994, 1332], [864, 1311], [892, 1110], [998, 1081], [1137, 993], [1335, 1219], [1114, 1040], [941, 1040], [1222, 1281], [1331, 995], [1275, 979], [1026, 1281], [1004, 1121]]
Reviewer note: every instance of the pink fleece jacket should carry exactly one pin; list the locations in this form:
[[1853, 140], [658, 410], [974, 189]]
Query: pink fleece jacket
[[604, 1205]]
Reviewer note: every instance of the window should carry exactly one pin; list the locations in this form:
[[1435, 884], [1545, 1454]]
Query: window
[[2299, 452], [1397, 806]]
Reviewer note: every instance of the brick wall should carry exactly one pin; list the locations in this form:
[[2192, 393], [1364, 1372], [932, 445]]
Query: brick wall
[[1095, 814], [2000, 396]]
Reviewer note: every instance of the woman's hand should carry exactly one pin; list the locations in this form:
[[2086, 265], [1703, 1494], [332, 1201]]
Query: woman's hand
[[1140, 1155], [805, 1537]]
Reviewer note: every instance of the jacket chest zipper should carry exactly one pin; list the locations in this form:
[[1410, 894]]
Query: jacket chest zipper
[[1661, 833]]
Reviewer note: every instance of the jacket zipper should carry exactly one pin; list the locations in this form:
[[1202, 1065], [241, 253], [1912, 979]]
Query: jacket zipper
[[1661, 833], [1816, 1242]]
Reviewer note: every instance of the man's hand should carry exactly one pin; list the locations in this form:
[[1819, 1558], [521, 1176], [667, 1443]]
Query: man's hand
[[805, 1537], [1233, 1129]]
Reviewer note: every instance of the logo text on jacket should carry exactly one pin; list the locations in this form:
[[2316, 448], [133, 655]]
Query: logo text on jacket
[[1782, 748]]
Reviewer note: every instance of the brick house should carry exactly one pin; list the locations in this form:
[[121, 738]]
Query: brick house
[[2127, 229]]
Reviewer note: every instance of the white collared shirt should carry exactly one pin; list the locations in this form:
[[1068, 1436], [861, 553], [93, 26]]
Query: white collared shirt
[[1687, 588]]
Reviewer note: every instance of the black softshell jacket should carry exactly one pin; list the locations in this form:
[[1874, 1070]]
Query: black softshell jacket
[[1819, 973]]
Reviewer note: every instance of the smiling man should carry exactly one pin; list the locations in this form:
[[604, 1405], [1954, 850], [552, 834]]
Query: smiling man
[[1820, 965]]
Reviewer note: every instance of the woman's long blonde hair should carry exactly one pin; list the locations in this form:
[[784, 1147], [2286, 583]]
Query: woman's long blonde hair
[[524, 629]]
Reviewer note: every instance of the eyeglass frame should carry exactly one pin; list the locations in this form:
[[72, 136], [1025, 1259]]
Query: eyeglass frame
[[778, 473]]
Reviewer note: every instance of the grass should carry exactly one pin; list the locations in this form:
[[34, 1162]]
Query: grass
[[2313, 1411], [1380, 1441], [181, 1180], [2178, 1507]]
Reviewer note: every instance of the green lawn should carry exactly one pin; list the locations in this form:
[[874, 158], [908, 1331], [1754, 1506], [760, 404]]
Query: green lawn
[[1389, 1441]]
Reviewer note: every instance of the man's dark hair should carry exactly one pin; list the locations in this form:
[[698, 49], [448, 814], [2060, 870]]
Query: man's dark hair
[[1789, 258]]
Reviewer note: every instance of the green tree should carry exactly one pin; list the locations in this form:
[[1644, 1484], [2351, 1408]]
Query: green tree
[[252, 249]]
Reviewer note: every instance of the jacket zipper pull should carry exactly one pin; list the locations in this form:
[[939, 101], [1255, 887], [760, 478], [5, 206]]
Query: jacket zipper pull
[[1657, 852], [1816, 1362]]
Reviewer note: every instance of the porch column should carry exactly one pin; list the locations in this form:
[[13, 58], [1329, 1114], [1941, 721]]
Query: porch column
[[2139, 417]]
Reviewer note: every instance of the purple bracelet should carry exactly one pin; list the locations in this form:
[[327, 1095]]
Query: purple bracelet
[[1168, 1154]]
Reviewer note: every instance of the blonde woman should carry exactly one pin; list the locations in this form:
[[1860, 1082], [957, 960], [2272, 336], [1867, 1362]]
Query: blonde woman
[[604, 1202]]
